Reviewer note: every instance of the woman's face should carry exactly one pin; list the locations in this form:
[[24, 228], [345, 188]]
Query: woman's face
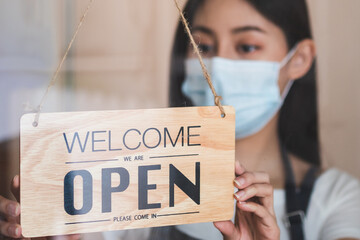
[[233, 29]]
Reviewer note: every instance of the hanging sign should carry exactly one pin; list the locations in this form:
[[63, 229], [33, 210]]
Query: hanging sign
[[111, 170]]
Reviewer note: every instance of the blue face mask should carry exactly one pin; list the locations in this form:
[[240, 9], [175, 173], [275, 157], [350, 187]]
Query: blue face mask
[[251, 87]]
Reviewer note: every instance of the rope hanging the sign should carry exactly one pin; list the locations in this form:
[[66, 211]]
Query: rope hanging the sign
[[54, 78], [207, 76]]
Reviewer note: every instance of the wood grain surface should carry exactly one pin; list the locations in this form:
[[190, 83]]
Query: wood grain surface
[[188, 149]]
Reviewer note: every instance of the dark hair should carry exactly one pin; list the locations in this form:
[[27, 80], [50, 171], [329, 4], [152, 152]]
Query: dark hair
[[298, 124]]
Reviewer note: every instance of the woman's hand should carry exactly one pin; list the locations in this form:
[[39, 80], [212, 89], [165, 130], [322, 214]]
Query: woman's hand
[[10, 216], [255, 216]]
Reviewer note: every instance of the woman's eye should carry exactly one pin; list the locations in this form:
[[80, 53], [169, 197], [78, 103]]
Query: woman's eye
[[245, 48], [205, 49]]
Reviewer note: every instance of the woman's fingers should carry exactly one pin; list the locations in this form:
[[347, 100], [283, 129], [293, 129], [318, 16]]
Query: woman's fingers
[[13, 219], [227, 229], [260, 211], [248, 178], [255, 184], [255, 203], [268, 221], [239, 169], [9, 208], [256, 190], [11, 230], [15, 187], [263, 192]]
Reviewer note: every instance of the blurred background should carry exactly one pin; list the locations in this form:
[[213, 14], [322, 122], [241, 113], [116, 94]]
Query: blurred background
[[120, 60]]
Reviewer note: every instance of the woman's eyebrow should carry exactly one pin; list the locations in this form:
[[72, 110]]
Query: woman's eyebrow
[[204, 30], [247, 28]]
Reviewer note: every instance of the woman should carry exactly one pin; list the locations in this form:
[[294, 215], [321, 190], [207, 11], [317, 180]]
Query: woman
[[254, 50], [267, 32]]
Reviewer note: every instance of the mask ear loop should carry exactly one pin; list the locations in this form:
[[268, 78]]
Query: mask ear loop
[[207, 76], [289, 56], [283, 63], [287, 90]]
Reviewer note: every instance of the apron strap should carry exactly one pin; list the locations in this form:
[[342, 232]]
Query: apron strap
[[297, 199]]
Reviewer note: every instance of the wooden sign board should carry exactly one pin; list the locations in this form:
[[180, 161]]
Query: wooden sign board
[[111, 170]]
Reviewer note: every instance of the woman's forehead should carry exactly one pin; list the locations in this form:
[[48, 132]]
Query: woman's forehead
[[229, 14]]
